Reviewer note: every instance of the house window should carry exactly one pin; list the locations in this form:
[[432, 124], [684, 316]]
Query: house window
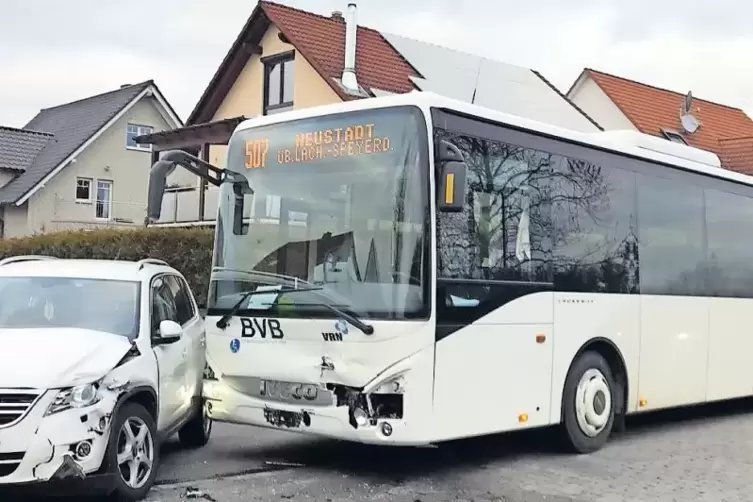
[[278, 83], [134, 130], [103, 207], [674, 136], [83, 189]]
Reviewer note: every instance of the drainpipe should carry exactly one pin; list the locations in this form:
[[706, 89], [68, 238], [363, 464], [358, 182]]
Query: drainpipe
[[349, 80]]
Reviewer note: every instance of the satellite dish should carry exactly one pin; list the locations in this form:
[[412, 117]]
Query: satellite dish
[[690, 123]]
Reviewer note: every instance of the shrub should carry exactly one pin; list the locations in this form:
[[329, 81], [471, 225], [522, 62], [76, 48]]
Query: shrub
[[188, 250]]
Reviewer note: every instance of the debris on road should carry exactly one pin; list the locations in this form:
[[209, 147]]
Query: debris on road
[[284, 464], [194, 493]]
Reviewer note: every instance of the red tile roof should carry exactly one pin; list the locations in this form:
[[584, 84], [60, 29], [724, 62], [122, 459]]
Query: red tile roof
[[651, 108], [737, 154], [321, 40]]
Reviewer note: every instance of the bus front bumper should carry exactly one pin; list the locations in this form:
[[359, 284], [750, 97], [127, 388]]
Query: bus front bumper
[[225, 404]]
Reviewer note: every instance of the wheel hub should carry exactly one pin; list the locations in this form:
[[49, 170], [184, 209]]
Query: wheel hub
[[599, 402], [135, 453], [593, 402]]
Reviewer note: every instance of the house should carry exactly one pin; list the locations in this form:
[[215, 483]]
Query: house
[[620, 103], [77, 165], [285, 58]]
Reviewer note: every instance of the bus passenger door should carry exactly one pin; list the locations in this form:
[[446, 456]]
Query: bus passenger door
[[494, 304], [493, 356]]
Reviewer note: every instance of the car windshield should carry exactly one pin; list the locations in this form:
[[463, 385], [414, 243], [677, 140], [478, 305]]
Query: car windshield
[[64, 302], [340, 202]]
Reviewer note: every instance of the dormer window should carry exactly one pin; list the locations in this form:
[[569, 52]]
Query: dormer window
[[674, 136]]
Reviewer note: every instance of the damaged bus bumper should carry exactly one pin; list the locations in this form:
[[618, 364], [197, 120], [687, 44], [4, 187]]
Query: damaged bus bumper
[[64, 448], [350, 421]]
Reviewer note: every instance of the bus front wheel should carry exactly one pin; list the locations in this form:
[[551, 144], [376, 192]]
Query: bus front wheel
[[588, 403]]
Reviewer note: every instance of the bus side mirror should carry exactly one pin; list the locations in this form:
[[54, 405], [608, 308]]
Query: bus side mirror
[[157, 181], [453, 178], [167, 164]]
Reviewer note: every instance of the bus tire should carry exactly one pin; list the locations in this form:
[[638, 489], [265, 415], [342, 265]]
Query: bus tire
[[588, 403]]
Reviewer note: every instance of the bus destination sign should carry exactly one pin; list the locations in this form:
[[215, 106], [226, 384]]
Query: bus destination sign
[[351, 141]]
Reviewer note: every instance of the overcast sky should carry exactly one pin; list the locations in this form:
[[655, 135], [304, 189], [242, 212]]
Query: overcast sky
[[52, 52]]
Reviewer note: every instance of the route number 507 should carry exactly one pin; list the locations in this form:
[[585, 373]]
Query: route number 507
[[256, 153]]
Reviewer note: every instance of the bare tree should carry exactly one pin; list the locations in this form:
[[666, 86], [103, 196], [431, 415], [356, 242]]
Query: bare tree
[[559, 194]]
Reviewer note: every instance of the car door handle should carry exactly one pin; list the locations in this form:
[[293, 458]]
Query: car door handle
[[185, 353]]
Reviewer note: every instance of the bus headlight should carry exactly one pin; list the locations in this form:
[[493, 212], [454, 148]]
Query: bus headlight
[[360, 417], [394, 385]]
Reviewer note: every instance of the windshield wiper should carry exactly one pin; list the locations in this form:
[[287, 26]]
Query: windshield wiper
[[288, 279], [222, 322], [367, 329]]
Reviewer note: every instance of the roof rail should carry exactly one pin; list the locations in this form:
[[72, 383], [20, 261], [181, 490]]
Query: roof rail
[[151, 261], [20, 258]]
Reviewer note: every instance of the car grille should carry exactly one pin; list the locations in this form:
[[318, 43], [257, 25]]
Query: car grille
[[15, 404], [9, 462]]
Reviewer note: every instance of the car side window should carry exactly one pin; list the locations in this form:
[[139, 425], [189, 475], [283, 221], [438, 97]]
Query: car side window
[[183, 303], [163, 304], [188, 296]]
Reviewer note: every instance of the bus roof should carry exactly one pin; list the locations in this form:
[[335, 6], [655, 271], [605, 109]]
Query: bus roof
[[625, 142]]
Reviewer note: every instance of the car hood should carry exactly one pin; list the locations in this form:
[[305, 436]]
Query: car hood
[[57, 357]]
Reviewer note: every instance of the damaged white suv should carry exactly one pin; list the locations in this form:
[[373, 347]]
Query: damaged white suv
[[100, 361]]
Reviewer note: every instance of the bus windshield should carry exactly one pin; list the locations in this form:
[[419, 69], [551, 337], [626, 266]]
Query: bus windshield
[[340, 210]]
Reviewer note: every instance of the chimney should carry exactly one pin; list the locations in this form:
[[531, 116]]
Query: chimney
[[337, 15], [349, 80]]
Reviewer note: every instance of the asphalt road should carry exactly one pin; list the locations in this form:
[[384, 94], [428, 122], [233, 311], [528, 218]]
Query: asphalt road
[[234, 450], [704, 454]]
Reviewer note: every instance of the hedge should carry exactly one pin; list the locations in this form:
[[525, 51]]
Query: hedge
[[188, 250]]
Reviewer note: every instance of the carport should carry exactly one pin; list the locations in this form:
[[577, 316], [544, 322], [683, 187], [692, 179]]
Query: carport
[[195, 139]]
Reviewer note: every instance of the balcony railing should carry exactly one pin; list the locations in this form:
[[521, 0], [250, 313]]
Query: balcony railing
[[180, 207]]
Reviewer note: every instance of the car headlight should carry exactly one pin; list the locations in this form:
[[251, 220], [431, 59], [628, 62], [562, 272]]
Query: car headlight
[[80, 396]]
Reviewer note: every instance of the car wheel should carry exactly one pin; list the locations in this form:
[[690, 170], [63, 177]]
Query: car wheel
[[133, 453], [588, 403], [197, 431]]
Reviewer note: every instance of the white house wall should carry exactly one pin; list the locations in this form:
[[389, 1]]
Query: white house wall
[[594, 101], [14, 221], [54, 207], [14, 218]]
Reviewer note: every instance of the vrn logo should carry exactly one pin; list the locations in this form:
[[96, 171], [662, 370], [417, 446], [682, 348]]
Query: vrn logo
[[341, 328]]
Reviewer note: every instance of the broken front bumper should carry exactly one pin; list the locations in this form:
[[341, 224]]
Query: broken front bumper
[[65, 446], [225, 404]]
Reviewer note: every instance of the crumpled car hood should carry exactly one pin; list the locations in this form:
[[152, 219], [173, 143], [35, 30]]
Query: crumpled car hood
[[57, 357]]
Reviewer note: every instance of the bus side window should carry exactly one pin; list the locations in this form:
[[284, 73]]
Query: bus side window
[[497, 247]]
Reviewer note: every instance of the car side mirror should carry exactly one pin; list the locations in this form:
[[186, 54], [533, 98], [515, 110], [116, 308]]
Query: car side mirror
[[169, 332]]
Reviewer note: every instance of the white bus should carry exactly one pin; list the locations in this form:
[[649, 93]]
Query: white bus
[[412, 269]]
